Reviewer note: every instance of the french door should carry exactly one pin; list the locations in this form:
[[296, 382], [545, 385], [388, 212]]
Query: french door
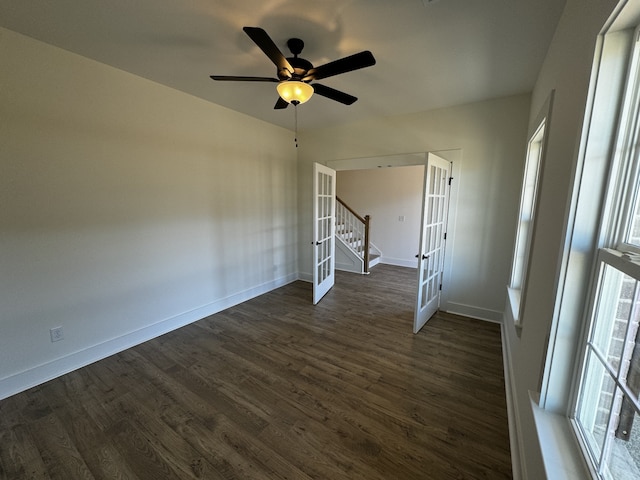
[[324, 219], [435, 204]]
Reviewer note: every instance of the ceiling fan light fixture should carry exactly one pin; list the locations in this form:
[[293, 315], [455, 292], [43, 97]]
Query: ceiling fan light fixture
[[294, 91]]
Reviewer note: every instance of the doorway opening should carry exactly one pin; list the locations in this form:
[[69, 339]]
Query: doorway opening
[[401, 217]]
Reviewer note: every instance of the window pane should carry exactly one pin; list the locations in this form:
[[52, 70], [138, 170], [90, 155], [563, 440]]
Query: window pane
[[616, 298], [605, 415], [527, 208], [623, 460], [519, 257], [633, 235], [596, 399]]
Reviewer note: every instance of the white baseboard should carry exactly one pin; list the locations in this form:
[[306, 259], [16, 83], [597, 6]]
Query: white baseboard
[[399, 262], [473, 312], [513, 417], [305, 277], [42, 373]]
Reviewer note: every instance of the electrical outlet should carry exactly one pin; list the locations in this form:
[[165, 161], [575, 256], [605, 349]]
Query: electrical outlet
[[56, 334], [401, 218]]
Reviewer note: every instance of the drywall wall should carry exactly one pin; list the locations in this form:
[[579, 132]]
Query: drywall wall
[[566, 70], [386, 194], [126, 209], [492, 138]]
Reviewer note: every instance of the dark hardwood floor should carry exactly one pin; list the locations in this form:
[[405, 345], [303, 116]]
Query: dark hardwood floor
[[277, 388]]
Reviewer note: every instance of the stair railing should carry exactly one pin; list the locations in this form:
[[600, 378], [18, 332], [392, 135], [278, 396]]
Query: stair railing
[[354, 230]]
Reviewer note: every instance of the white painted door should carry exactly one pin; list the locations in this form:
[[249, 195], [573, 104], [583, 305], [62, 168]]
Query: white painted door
[[435, 204], [324, 220]]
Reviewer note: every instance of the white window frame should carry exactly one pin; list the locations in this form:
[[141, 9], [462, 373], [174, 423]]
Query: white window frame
[[606, 298], [534, 165], [623, 185], [554, 406], [620, 204]]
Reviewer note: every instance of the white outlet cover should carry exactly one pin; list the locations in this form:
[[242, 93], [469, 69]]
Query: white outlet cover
[[57, 334]]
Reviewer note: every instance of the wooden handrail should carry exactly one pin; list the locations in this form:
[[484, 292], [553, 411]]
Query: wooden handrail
[[351, 210], [365, 221]]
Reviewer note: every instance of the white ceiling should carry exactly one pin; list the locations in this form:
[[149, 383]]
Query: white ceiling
[[430, 54]]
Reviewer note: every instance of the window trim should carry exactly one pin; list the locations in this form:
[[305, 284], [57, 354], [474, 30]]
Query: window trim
[[558, 383], [582, 238], [516, 295], [621, 167]]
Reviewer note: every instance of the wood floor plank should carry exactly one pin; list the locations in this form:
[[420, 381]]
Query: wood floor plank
[[135, 446], [59, 453], [19, 456], [276, 388]]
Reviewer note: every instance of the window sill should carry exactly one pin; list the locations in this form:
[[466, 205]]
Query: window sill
[[561, 454]]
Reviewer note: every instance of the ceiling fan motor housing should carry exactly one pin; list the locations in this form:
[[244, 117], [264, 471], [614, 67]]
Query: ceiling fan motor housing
[[300, 65]]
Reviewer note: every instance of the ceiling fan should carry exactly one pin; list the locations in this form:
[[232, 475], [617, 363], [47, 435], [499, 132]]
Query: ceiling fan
[[294, 74]]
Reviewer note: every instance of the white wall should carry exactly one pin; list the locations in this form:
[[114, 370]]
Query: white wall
[[566, 69], [492, 136], [386, 194], [126, 209]]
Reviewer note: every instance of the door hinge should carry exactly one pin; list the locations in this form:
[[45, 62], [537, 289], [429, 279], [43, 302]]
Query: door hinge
[[440, 286], [450, 179], [445, 235]]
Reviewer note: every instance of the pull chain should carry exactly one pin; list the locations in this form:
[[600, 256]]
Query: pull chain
[[295, 110]]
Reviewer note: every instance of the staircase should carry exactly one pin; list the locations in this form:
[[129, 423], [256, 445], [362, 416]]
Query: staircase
[[354, 252]]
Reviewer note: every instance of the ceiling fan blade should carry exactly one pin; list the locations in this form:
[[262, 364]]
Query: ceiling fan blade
[[231, 78], [281, 103], [263, 40], [333, 94], [346, 64]]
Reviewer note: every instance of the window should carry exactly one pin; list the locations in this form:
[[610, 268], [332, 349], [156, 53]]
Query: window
[[607, 403], [528, 200], [611, 380]]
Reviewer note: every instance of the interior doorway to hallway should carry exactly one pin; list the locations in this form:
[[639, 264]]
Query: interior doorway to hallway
[[397, 205]]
